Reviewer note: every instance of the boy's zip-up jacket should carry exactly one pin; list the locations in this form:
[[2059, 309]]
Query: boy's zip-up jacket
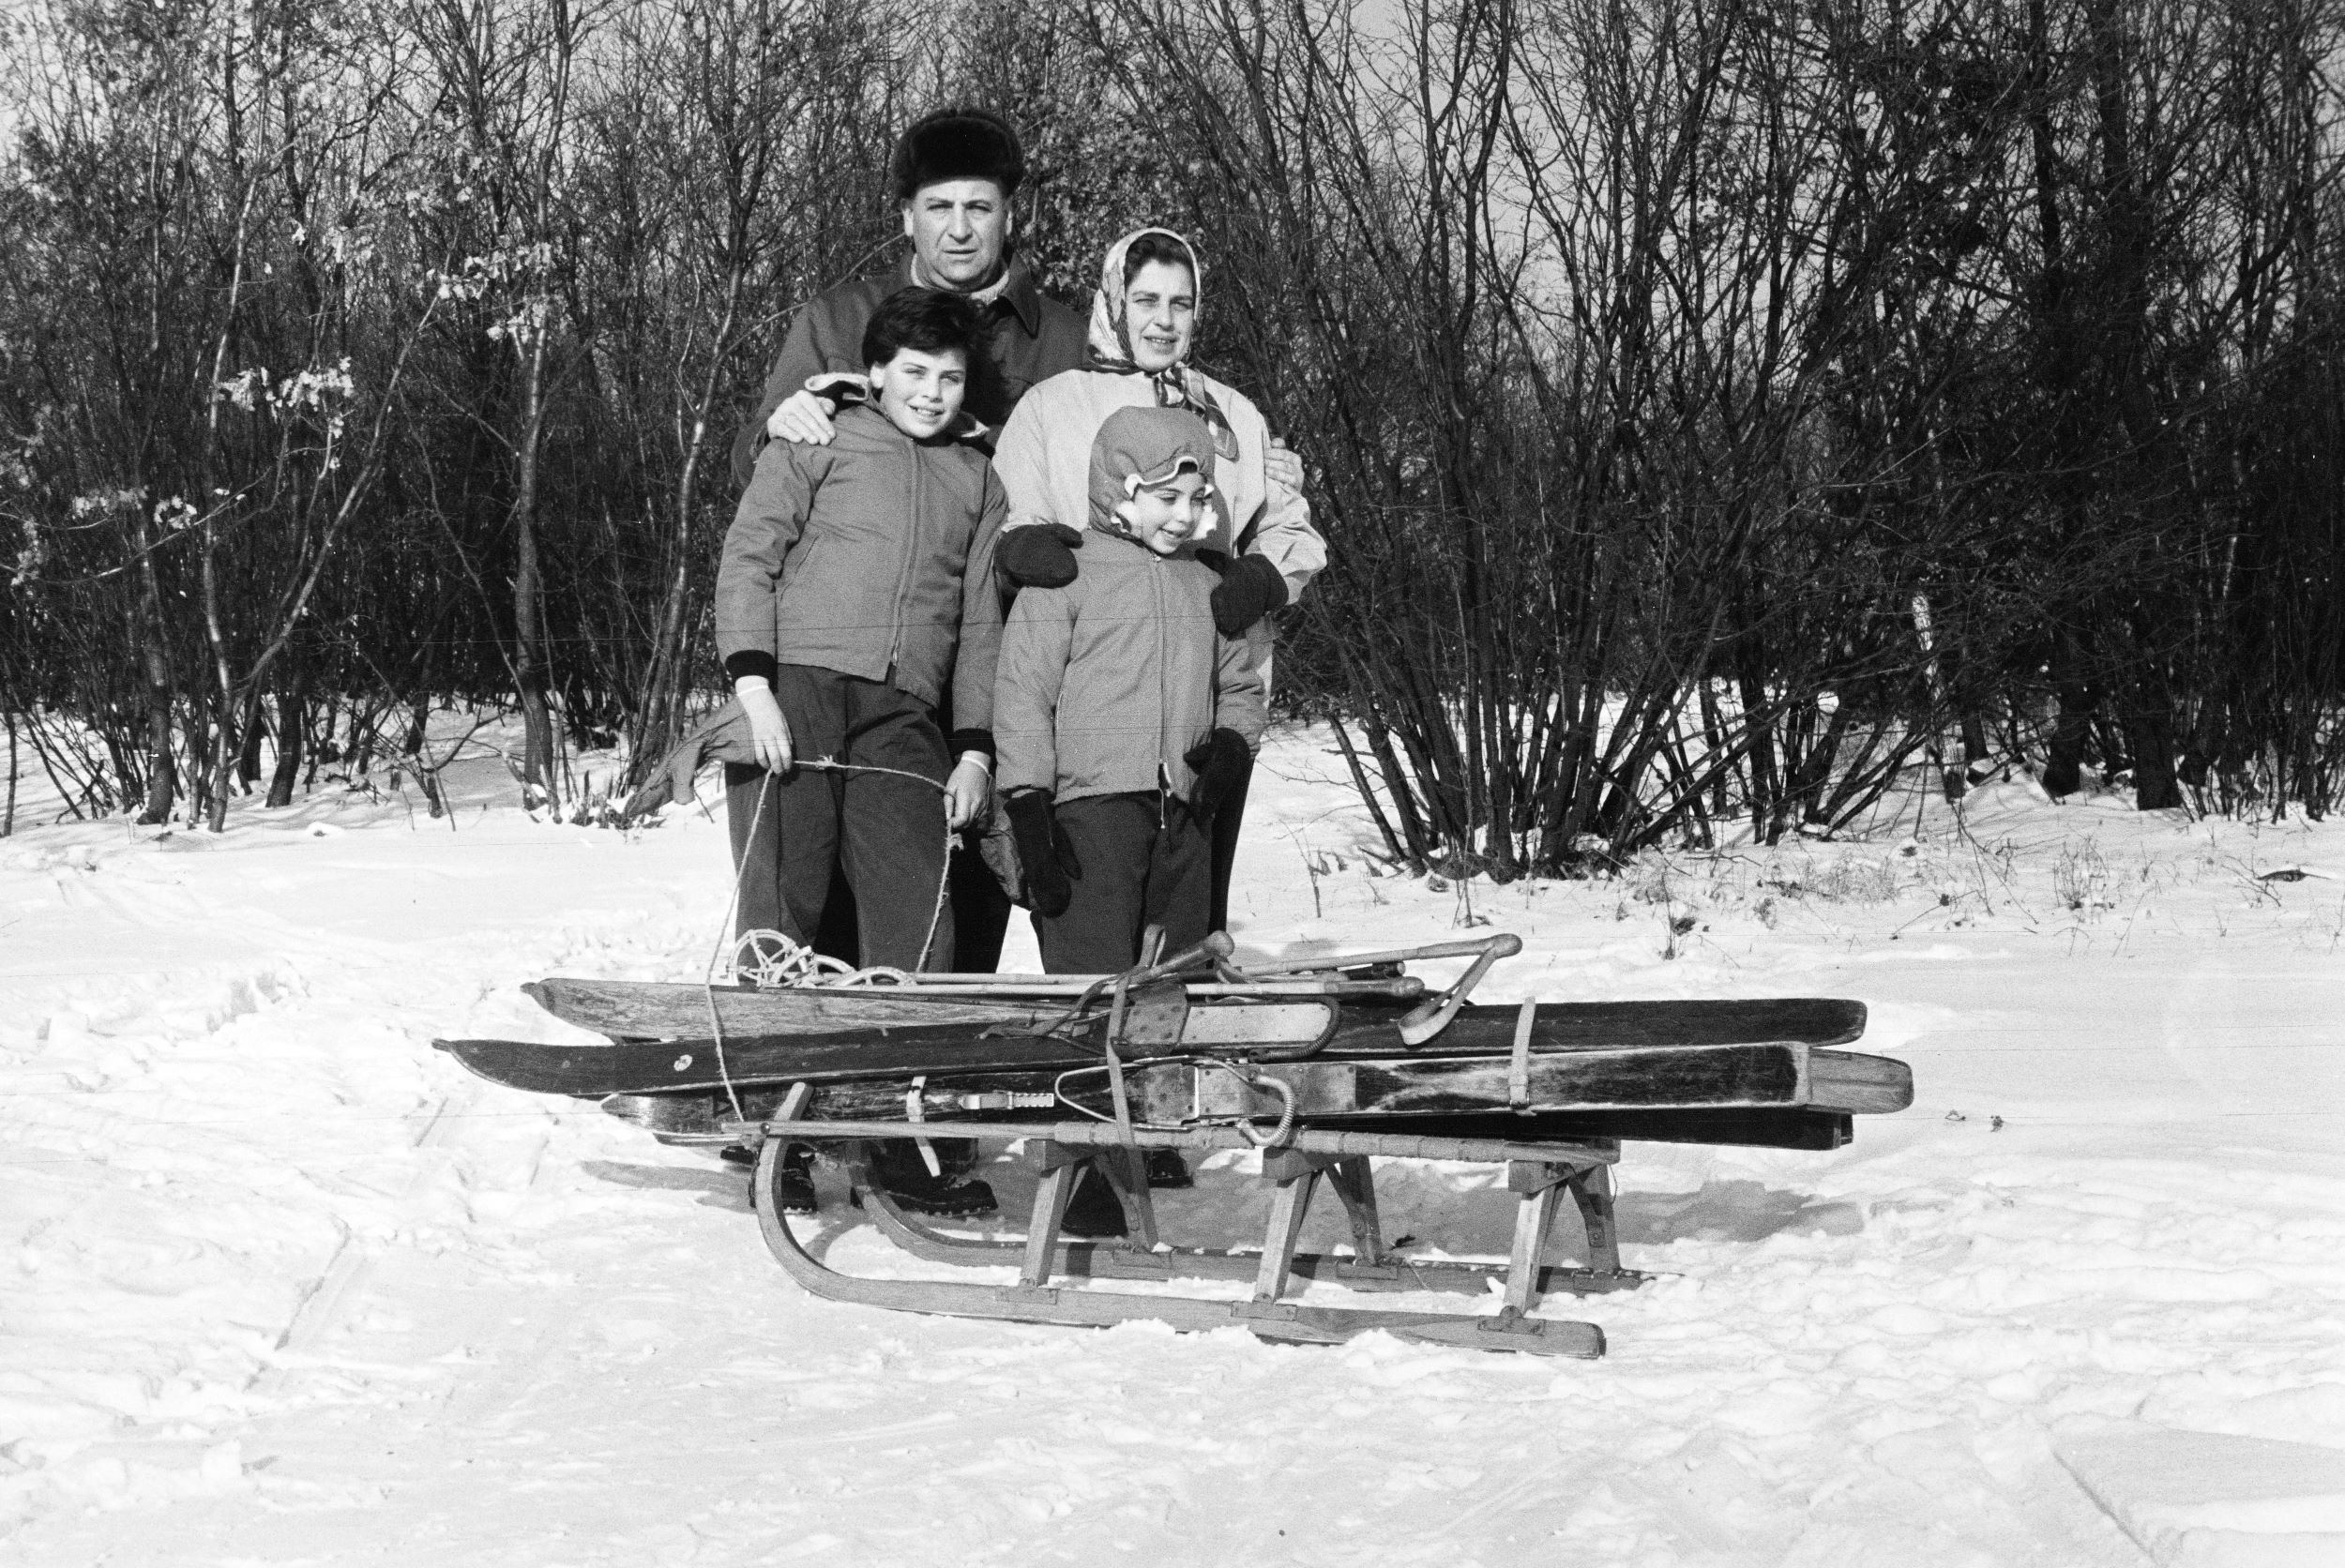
[[1105, 684], [873, 556]]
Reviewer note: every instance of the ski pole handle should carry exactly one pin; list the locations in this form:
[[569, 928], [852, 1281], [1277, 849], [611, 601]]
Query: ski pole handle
[[1216, 946]]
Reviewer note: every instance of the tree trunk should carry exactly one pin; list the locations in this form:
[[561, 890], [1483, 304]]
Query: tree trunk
[[162, 778], [1974, 749], [224, 729], [292, 723], [8, 810], [2064, 767], [249, 754], [2149, 736], [529, 666]]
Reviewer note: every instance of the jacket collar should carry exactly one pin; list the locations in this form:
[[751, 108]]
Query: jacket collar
[[858, 400], [1018, 291], [1187, 552]]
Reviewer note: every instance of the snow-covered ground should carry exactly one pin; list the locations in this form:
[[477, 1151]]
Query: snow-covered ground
[[279, 1284]]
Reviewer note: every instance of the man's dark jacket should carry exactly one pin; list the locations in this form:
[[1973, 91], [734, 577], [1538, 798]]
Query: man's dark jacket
[[1032, 337]]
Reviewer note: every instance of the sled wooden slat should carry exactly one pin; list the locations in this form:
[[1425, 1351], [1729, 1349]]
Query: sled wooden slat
[[1120, 1259], [1102, 1134]]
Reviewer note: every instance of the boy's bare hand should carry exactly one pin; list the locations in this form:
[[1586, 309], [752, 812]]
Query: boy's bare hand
[[769, 732], [804, 417], [1283, 469], [966, 793]]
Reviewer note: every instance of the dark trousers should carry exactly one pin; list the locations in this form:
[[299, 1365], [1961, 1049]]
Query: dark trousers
[[980, 914], [1141, 862], [886, 834], [1225, 825]]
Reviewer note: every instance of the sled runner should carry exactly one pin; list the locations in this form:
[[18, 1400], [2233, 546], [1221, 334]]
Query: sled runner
[[1323, 1065]]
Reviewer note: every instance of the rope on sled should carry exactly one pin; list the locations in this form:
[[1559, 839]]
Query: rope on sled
[[775, 959], [771, 958]]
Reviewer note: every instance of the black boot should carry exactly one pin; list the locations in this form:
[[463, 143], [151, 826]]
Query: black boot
[[793, 1184], [899, 1171], [1094, 1213], [1166, 1169]]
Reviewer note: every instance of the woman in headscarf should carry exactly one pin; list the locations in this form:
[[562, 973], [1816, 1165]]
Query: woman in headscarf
[[1143, 322]]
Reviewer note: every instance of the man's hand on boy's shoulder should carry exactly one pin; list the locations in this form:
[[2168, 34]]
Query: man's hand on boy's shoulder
[[802, 419], [804, 416]]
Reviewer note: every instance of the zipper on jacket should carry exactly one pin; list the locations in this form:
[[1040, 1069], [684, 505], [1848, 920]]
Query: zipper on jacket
[[1164, 702], [911, 547]]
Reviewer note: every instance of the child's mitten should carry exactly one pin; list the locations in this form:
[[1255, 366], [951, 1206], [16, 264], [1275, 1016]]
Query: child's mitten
[[1039, 555], [1250, 588], [1045, 859], [1220, 762]]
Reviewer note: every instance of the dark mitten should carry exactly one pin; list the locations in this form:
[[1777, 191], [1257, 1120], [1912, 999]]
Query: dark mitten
[[1251, 589], [1220, 762], [1039, 555], [1046, 862]]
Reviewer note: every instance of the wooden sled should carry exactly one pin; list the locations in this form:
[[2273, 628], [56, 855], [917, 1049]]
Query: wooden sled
[[1295, 1174], [1348, 1057]]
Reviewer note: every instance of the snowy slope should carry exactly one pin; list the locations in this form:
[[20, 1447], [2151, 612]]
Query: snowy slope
[[279, 1284]]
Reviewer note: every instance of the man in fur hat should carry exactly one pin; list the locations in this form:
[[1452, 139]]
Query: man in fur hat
[[953, 175]]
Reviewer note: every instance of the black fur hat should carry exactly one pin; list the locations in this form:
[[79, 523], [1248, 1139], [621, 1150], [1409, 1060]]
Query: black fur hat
[[957, 144]]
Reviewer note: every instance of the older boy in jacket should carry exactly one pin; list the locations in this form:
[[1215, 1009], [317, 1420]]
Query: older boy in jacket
[[855, 592], [857, 582], [1123, 715]]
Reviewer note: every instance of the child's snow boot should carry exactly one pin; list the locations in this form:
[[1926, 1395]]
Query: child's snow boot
[[793, 1184], [903, 1176], [1166, 1169]]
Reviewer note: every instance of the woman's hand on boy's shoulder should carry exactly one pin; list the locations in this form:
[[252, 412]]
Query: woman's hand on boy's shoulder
[[1283, 469], [1250, 588]]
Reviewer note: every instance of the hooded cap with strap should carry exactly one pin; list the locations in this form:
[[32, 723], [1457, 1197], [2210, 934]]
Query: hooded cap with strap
[[1109, 347], [1138, 446]]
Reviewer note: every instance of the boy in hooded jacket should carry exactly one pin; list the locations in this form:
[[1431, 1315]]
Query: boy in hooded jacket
[[1124, 717]]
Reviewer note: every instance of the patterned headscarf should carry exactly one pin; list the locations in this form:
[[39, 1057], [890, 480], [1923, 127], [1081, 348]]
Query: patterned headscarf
[[1109, 348]]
